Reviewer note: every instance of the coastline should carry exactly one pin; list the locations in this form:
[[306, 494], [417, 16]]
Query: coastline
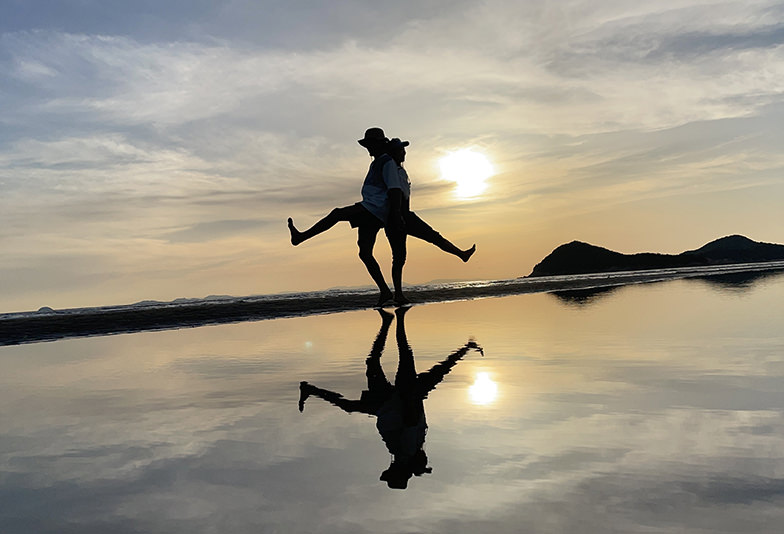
[[51, 325]]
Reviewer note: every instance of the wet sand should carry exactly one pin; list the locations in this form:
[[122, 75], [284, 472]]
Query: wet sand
[[17, 328]]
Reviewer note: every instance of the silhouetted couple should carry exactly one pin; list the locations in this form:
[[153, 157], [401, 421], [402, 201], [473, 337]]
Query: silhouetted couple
[[386, 203], [399, 408]]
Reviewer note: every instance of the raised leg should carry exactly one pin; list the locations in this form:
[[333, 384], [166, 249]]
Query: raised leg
[[418, 228], [332, 218]]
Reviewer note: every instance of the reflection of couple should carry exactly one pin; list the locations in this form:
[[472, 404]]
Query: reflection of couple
[[399, 408], [386, 203]]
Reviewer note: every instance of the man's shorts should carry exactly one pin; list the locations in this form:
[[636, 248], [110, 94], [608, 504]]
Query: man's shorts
[[358, 215]]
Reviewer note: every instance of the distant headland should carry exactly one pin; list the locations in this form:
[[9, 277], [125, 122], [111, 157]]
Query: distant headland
[[588, 268], [581, 258]]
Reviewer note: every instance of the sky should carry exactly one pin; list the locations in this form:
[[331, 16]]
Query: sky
[[153, 150]]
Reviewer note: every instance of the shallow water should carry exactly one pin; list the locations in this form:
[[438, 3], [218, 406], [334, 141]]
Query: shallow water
[[646, 408]]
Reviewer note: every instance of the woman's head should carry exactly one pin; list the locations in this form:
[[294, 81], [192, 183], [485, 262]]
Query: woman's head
[[397, 149]]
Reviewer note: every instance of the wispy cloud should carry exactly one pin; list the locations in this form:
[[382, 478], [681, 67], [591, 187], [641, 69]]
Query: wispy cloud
[[229, 108]]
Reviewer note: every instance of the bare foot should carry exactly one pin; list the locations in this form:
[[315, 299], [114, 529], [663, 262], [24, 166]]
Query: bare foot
[[304, 393], [296, 235], [383, 298], [466, 254]]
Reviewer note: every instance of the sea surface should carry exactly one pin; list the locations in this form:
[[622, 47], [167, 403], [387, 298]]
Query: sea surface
[[47, 324], [649, 408]]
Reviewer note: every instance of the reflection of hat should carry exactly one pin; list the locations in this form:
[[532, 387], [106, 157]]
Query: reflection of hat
[[395, 143], [373, 136], [400, 471], [395, 477]]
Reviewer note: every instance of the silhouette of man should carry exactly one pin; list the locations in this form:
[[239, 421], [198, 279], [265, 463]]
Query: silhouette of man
[[399, 408], [372, 213]]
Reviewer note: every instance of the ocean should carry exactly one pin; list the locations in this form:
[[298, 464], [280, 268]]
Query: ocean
[[48, 324], [640, 407]]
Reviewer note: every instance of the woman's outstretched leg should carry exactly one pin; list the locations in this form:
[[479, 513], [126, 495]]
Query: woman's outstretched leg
[[418, 228], [447, 246]]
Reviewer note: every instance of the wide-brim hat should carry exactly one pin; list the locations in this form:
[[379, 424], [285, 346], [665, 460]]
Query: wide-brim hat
[[395, 478], [373, 136]]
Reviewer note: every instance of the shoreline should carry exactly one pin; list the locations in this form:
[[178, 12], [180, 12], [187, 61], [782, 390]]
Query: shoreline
[[33, 327]]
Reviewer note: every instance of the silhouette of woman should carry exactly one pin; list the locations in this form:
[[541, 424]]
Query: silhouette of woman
[[413, 225], [399, 408]]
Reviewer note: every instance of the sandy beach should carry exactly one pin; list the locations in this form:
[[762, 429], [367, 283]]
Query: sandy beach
[[48, 325]]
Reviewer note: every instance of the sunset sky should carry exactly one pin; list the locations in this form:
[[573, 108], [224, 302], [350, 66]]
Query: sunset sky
[[152, 150]]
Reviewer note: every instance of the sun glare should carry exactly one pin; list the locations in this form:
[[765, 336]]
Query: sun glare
[[468, 169], [483, 390]]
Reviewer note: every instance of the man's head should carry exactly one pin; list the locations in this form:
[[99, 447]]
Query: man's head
[[375, 141], [400, 471]]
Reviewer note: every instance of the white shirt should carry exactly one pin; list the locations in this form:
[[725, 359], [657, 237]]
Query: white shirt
[[405, 183], [376, 185]]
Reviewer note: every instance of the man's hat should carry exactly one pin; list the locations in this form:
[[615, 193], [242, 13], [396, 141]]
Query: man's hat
[[373, 136], [396, 143], [395, 477]]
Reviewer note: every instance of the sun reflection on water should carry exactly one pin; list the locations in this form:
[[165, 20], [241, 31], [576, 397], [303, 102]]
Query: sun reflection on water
[[484, 390]]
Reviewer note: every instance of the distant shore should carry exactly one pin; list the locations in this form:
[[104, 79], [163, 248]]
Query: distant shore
[[50, 325]]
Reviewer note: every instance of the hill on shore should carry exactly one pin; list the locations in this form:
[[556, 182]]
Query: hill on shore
[[579, 258]]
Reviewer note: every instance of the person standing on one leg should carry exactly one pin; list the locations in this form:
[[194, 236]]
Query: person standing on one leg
[[367, 216], [414, 226]]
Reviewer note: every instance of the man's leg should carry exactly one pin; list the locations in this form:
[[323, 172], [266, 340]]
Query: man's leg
[[331, 219], [366, 239], [336, 399]]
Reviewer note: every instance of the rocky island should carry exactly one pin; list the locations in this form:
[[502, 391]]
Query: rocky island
[[581, 258]]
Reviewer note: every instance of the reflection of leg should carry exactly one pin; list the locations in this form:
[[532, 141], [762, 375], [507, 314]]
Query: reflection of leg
[[406, 368], [381, 337], [334, 217], [350, 406], [428, 380], [421, 230], [376, 379], [366, 241]]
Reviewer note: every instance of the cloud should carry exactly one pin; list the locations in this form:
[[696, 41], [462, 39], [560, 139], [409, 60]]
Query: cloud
[[177, 117], [207, 231]]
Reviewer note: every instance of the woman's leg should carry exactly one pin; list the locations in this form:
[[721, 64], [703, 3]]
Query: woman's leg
[[418, 228], [397, 242]]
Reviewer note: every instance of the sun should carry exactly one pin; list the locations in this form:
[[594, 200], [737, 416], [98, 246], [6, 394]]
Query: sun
[[468, 169]]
